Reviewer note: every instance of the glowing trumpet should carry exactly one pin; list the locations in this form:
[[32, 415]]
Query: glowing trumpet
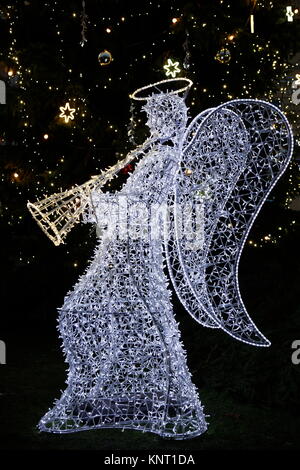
[[60, 212]]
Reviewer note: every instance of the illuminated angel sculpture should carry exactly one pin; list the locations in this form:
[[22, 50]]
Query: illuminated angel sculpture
[[188, 206]]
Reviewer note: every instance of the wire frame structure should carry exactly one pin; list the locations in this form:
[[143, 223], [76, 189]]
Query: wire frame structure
[[234, 158], [189, 205]]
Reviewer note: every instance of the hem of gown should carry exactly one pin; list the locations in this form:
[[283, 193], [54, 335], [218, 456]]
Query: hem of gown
[[165, 435]]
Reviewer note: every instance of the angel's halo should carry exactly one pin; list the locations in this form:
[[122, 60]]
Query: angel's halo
[[155, 90]]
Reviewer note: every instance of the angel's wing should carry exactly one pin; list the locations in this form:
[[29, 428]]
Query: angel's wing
[[187, 216], [229, 166]]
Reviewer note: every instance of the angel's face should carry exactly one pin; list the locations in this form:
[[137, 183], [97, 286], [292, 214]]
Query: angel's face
[[167, 115]]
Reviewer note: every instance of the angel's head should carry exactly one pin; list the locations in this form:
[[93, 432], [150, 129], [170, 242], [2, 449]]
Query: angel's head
[[167, 115]]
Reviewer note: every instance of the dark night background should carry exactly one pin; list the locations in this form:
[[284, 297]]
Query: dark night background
[[252, 394]]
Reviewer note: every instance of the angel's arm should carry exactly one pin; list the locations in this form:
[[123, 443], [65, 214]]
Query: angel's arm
[[60, 212]]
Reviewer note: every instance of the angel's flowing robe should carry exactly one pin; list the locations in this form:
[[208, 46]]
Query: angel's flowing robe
[[127, 365]]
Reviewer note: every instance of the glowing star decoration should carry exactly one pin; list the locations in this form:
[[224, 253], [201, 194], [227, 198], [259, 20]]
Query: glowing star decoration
[[189, 206], [297, 81], [172, 68], [290, 14], [67, 113], [223, 56]]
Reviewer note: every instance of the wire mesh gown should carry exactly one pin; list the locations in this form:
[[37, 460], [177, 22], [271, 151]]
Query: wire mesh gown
[[127, 365]]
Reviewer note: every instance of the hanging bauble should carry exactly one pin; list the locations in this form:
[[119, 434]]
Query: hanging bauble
[[223, 56], [105, 57]]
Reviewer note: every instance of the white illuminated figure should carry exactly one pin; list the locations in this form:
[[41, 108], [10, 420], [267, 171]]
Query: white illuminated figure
[[189, 205]]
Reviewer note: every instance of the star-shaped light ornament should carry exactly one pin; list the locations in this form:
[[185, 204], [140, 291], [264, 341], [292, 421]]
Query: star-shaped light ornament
[[67, 113], [172, 68]]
